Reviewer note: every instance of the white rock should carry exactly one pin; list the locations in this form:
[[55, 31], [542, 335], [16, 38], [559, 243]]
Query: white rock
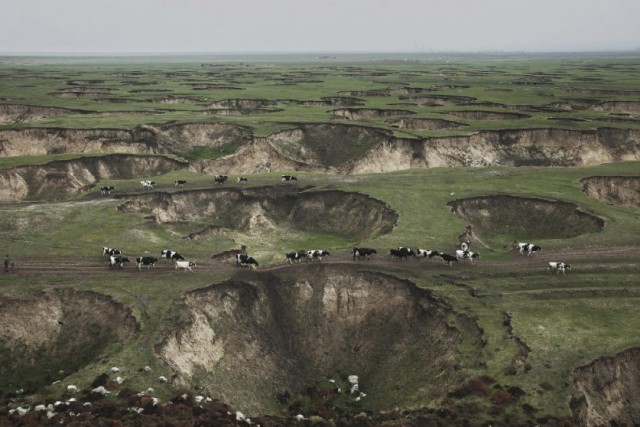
[[162, 379], [240, 416], [115, 369], [50, 414], [353, 379], [40, 408], [299, 417], [100, 390], [72, 388], [147, 368]]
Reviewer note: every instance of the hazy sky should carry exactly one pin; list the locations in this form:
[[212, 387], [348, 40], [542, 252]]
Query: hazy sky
[[155, 26]]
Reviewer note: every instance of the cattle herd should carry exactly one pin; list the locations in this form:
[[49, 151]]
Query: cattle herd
[[117, 259]]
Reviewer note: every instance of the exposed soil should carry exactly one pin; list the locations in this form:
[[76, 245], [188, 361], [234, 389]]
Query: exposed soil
[[526, 217], [423, 124], [17, 113], [58, 330], [438, 100], [60, 179], [261, 334], [615, 190], [260, 209], [605, 390], [486, 115], [367, 113]]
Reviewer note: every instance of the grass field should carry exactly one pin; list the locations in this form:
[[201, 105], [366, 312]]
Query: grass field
[[564, 321]]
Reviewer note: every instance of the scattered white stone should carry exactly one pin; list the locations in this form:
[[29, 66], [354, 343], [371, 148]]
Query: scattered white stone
[[155, 401], [162, 379], [55, 382], [150, 390], [22, 411], [240, 416], [73, 399], [72, 388], [208, 400], [355, 388], [199, 399], [299, 417], [353, 379], [50, 414], [50, 407], [115, 369], [147, 368], [40, 408], [119, 380], [87, 404], [100, 390], [332, 381]]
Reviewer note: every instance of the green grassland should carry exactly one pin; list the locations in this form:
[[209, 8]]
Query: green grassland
[[566, 321]]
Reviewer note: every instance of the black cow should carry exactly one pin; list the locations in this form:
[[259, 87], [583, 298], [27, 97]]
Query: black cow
[[288, 178], [363, 253], [106, 190], [220, 179], [146, 260], [117, 260], [246, 261], [179, 183], [295, 256], [448, 259], [402, 252]]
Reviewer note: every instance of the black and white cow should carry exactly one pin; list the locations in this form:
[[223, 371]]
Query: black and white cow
[[426, 253], [288, 178], [296, 257], [106, 190], [220, 179], [558, 267], [466, 245], [527, 248], [402, 252], [118, 260], [363, 253], [242, 179], [146, 260], [316, 254], [172, 255], [460, 254], [110, 251], [448, 259], [179, 183], [246, 261], [147, 185]]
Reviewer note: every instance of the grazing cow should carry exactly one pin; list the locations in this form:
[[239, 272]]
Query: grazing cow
[[242, 179], [246, 261], [402, 252], [172, 255], [220, 179], [147, 185], [460, 254], [118, 260], [363, 253], [179, 183], [295, 256], [426, 253], [146, 260], [316, 254], [185, 265], [448, 259], [288, 178], [558, 267], [527, 248], [107, 189], [110, 251]]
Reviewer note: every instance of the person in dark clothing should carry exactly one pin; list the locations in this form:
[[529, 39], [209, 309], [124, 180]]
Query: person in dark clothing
[[7, 263]]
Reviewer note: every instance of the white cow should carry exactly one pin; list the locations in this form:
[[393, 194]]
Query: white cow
[[186, 265]]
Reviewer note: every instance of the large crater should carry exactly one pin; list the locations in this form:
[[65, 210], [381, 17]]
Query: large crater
[[526, 217], [56, 331], [259, 209], [248, 339], [616, 190]]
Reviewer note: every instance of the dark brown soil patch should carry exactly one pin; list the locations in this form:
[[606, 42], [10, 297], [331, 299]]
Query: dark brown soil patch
[[526, 217], [367, 113]]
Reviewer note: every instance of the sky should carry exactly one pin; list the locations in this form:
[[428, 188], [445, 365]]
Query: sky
[[245, 26]]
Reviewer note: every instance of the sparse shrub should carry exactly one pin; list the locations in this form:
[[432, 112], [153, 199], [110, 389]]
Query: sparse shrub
[[547, 386], [503, 398]]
